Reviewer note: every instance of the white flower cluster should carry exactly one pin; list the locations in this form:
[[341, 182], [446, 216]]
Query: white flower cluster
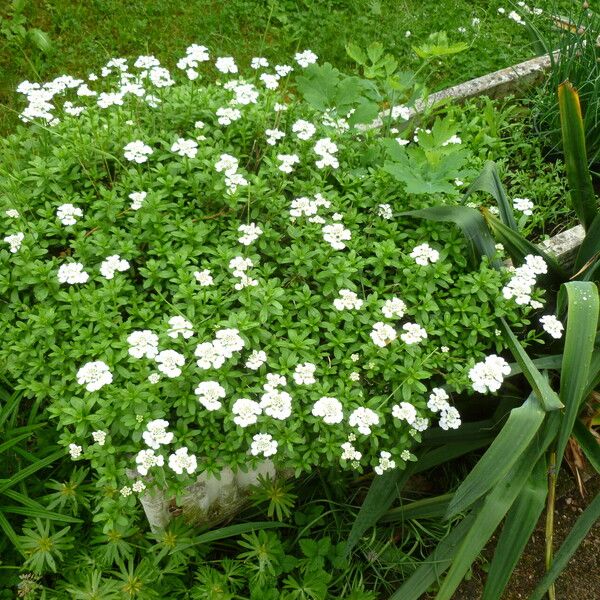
[[348, 300], [180, 326], [75, 451], [363, 419], [489, 374], [212, 355], [194, 55], [329, 409], [67, 213], [137, 151], [156, 434], [256, 359], [413, 333], [143, 343], [277, 404], [326, 149], [251, 233], [226, 64], [185, 147], [385, 211], [393, 308], [287, 162], [385, 463], [424, 254], [137, 199], [350, 453], [227, 115], [383, 334], [405, 411], [209, 394], [304, 130], [146, 459], [306, 58], [552, 326], [170, 362], [14, 241], [72, 273], [263, 444], [273, 136], [246, 412], [270, 80], [229, 165], [524, 205], [99, 437], [438, 402], [336, 234], [520, 287], [304, 374], [239, 265], [245, 93], [305, 207], [94, 375], [111, 264], [204, 277], [182, 461]]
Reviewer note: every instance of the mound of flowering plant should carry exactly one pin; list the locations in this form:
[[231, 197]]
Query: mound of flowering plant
[[205, 274]]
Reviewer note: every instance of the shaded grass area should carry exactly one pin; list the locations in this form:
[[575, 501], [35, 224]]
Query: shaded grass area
[[86, 33]]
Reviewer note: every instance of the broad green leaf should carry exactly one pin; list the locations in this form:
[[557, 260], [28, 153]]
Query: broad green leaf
[[584, 523], [383, 491], [543, 392], [582, 322], [419, 509], [581, 189], [489, 181], [471, 223], [517, 433], [230, 531], [37, 509], [450, 451], [437, 45], [27, 471], [12, 442], [544, 363], [590, 247], [518, 527], [40, 39], [356, 54], [10, 533], [588, 444], [375, 51], [518, 247]]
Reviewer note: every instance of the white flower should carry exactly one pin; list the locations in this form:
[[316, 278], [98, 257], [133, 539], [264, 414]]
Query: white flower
[[170, 362], [276, 404], [520, 286], [273, 135], [350, 452], [407, 34], [454, 139], [246, 412], [401, 111], [438, 400], [226, 116], [245, 93], [160, 77], [263, 443], [182, 461], [329, 409], [516, 17], [112, 264], [354, 376], [15, 240], [146, 459], [210, 356], [420, 424], [179, 326], [271, 81], [226, 64], [259, 62], [274, 381], [204, 278], [67, 214], [287, 162], [524, 205], [413, 333], [303, 207], [156, 434], [229, 341], [256, 359], [278, 107], [404, 411], [405, 455], [363, 418], [354, 357], [303, 129], [185, 147], [137, 199], [304, 374], [251, 233], [393, 308], [384, 463], [383, 334], [99, 437], [325, 146], [227, 164], [348, 300], [385, 211], [143, 343], [444, 349], [94, 375], [72, 273], [475, 22], [552, 326], [209, 393], [138, 486], [13, 213], [75, 451], [489, 374], [125, 491], [449, 418], [501, 10], [137, 151], [536, 264], [336, 234], [106, 99], [424, 254], [154, 378], [306, 58]]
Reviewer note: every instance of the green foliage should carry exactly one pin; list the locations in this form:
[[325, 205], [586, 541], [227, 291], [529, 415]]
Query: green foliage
[[438, 45]]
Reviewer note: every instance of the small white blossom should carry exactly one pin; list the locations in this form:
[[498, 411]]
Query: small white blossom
[[552, 326], [336, 234], [274, 381], [209, 355], [259, 62], [72, 273], [227, 164], [438, 400], [329, 409], [15, 240], [413, 333], [156, 434], [137, 151], [67, 214], [449, 418], [304, 374], [489, 374], [363, 418], [401, 111], [348, 300], [125, 491], [246, 412], [306, 58], [516, 17], [424, 254], [273, 136], [13, 213], [276, 404], [204, 277], [185, 147], [181, 461], [393, 308], [270, 81], [179, 326], [256, 359], [251, 233], [524, 205], [111, 264], [350, 452], [245, 93], [209, 394], [383, 334], [146, 459], [385, 211], [143, 343], [170, 362], [227, 115], [75, 451], [404, 411], [99, 437], [385, 463], [354, 376], [138, 486], [94, 375], [303, 129], [137, 199], [226, 64], [354, 357], [154, 378], [263, 443], [287, 162]]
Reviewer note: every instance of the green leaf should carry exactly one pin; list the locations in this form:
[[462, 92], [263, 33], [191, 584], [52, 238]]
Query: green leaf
[[27, 471], [590, 247], [518, 527], [356, 54], [437, 45], [489, 181], [383, 491], [375, 51], [543, 392], [573, 136], [40, 39], [518, 431], [581, 528], [471, 223], [435, 507], [582, 322], [588, 444], [10, 533]]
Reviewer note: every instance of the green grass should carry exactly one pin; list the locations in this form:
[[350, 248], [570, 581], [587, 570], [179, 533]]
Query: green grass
[[86, 33]]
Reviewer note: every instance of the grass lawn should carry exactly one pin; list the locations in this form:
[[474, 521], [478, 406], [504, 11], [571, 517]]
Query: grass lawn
[[85, 33]]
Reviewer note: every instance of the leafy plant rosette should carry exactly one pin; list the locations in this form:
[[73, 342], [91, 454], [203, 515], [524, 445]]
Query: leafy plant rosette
[[208, 273]]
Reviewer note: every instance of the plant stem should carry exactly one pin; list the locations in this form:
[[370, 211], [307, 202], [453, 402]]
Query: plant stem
[[550, 518]]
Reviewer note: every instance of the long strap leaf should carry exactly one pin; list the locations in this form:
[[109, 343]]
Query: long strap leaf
[[518, 527], [573, 136], [27, 471], [582, 322], [588, 443], [583, 524]]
